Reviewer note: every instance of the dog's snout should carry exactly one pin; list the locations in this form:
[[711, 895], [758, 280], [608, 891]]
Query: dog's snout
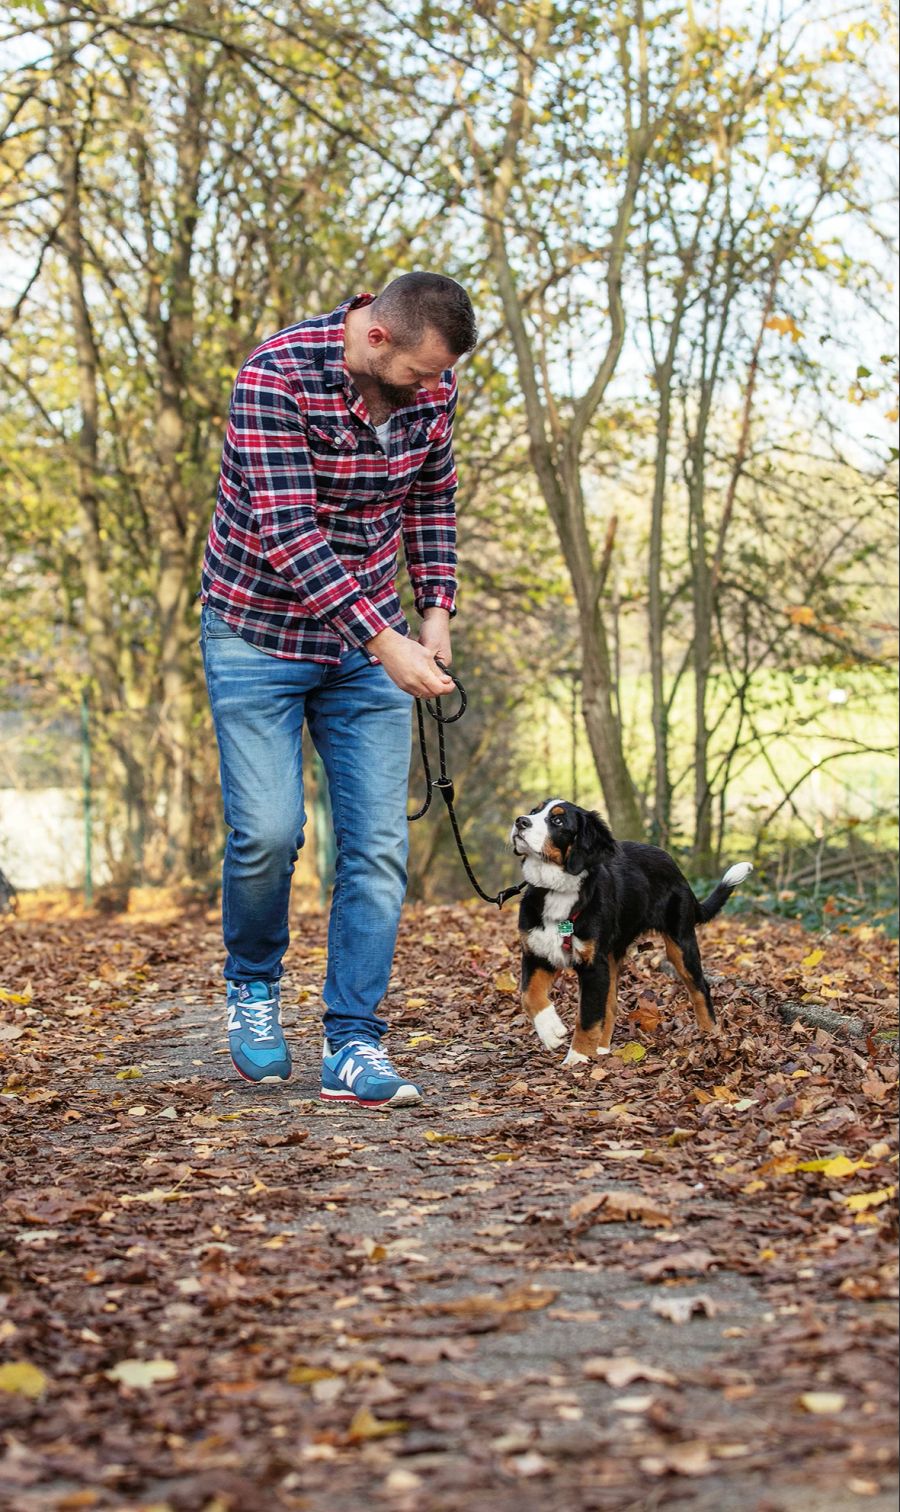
[[523, 822]]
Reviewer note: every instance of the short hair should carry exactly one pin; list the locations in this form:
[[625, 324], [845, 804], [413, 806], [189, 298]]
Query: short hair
[[416, 302]]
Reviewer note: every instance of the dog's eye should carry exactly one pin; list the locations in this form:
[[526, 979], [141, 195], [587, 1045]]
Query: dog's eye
[[556, 819]]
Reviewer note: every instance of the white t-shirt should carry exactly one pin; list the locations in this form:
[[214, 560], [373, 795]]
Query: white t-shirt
[[382, 432]]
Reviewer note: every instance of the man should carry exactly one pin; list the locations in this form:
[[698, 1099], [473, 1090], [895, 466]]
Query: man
[[339, 443]]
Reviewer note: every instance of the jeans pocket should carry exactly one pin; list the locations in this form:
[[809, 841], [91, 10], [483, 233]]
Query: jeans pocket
[[215, 628]]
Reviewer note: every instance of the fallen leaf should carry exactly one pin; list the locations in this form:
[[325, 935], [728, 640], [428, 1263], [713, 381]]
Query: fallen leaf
[[678, 1309], [631, 1053], [683, 1262], [621, 1370], [364, 1425], [142, 1373], [823, 1401], [616, 1207], [680, 1459], [20, 1378], [527, 1298], [861, 1201], [427, 1351]]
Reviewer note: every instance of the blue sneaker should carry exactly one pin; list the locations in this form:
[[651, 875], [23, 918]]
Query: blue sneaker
[[360, 1073], [255, 1036]]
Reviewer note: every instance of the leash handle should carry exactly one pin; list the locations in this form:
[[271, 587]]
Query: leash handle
[[437, 713]]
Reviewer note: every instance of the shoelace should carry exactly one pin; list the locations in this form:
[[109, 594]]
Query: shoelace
[[372, 1057], [258, 1017]]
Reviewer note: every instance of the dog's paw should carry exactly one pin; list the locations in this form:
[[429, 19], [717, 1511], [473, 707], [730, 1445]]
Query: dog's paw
[[550, 1029], [576, 1058]]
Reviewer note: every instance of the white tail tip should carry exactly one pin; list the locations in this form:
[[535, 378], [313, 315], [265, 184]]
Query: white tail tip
[[737, 874]]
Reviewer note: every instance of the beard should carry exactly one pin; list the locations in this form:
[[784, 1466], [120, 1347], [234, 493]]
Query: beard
[[397, 395]]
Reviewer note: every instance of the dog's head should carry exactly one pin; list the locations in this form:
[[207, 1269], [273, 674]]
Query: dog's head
[[564, 835]]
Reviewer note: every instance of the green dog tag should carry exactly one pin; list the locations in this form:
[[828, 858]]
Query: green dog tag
[[565, 926]]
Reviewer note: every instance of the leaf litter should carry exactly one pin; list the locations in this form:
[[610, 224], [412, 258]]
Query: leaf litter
[[237, 1293]]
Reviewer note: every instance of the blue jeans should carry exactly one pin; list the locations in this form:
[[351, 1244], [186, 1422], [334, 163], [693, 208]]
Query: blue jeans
[[359, 722]]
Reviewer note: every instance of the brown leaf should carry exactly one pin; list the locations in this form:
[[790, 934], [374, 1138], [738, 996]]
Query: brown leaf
[[681, 1459], [364, 1425], [621, 1370], [678, 1309], [427, 1351], [528, 1298], [683, 1262]]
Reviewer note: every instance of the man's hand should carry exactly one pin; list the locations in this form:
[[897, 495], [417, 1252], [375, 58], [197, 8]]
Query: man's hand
[[435, 634], [409, 665]]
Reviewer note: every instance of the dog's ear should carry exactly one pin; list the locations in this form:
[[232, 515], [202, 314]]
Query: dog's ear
[[593, 840]]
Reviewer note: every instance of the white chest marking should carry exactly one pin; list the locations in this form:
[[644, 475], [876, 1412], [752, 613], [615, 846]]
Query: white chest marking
[[546, 941]]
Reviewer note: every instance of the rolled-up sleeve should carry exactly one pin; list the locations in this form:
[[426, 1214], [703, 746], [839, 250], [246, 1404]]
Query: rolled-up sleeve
[[268, 437], [429, 521]]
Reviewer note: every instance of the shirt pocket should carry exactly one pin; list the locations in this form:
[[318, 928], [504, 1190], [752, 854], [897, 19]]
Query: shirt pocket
[[427, 432], [329, 439]]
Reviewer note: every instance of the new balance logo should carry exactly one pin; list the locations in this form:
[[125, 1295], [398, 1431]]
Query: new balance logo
[[234, 1021], [350, 1072]]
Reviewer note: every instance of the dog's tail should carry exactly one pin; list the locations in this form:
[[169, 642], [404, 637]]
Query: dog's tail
[[722, 891]]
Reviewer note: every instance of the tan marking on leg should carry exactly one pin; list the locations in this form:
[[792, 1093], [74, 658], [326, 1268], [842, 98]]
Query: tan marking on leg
[[597, 1039], [587, 949], [701, 1011], [609, 1012], [536, 996]]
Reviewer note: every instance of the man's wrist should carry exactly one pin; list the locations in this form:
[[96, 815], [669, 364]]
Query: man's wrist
[[378, 642]]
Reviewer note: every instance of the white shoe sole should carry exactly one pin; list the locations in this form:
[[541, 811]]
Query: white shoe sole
[[404, 1097]]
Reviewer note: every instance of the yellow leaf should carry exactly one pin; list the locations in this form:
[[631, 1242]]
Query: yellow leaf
[[860, 1201], [364, 1425], [823, 1401], [130, 1074], [142, 1373], [785, 325], [631, 1052], [754, 1186], [415, 1002], [834, 1165], [23, 1379], [504, 981], [841, 1166], [420, 1039], [813, 959], [767, 1254], [304, 1375], [20, 998], [434, 1137], [801, 614]]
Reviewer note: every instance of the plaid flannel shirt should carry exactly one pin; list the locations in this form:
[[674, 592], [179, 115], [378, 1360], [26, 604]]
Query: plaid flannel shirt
[[301, 556]]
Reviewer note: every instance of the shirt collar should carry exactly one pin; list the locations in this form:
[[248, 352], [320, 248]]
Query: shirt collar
[[334, 368]]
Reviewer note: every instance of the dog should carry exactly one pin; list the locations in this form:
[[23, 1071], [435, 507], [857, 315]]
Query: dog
[[588, 898]]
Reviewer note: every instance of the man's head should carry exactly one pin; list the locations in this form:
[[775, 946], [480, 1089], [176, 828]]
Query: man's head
[[419, 326]]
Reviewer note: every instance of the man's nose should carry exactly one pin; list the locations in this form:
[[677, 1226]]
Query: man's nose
[[523, 822]]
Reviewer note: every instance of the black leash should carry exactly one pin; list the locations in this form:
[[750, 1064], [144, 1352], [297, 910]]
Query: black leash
[[444, 782]]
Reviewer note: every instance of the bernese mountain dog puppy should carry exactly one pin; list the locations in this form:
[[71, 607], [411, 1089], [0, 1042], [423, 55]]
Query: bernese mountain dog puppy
[[588, 898]]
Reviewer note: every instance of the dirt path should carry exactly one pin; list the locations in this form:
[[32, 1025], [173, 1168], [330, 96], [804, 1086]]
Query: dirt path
[[533, 1291]]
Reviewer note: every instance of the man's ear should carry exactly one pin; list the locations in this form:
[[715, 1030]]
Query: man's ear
[[593, 840]]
